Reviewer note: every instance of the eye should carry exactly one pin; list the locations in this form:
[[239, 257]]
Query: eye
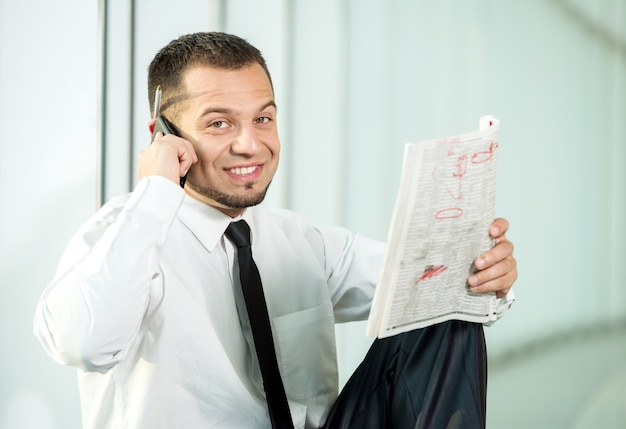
[[218, 124], [263, 120]]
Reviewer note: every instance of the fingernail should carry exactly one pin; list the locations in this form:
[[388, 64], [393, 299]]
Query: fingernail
[[473, 280], [480, 263]]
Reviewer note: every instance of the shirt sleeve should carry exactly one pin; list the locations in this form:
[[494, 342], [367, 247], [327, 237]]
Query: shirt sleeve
[[353, 263], [93, 308]]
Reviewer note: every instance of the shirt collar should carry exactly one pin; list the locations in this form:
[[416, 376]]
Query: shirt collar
[[206, 223]]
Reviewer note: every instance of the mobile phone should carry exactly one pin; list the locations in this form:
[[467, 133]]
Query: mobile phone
[[164, 126]]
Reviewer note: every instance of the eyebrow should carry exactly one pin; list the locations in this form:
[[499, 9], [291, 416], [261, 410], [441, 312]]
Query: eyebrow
[[227, 111]]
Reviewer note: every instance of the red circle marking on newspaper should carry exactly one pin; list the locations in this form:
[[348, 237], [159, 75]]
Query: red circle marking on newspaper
[[449, 213]]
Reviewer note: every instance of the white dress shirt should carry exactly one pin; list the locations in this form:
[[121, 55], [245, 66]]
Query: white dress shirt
[[145, 306]]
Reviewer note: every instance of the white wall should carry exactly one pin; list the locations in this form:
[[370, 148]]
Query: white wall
[[355, 80], [48, 57]]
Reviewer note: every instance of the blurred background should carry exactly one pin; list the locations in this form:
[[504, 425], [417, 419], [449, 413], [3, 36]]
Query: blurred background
[[355, 80]]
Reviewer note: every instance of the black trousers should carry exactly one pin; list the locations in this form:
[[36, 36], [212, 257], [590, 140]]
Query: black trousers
[[431, 378]]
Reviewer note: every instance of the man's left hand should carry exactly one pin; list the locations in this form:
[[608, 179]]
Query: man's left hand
[[497, 269]]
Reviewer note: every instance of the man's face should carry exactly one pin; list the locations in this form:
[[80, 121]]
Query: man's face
[[230, 119]]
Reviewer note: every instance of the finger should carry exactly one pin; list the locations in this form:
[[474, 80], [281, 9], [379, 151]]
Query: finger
[[499, 277], [499, 227], [187, 157], [501, 285], [168, 156], [497, 253]]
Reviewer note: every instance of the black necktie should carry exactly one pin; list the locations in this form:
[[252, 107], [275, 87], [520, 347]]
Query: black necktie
[[239, 234]]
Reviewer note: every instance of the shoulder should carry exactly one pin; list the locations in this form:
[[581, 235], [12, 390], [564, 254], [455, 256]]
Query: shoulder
[[291, 224], [282, 218]]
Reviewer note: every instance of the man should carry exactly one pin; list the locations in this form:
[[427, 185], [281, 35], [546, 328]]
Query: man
[[147, 302]]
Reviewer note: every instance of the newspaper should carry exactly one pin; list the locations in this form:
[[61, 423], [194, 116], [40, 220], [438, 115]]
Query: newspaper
[[444, 208]]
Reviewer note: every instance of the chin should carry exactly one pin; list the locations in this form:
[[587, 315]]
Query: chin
[[248, 198]]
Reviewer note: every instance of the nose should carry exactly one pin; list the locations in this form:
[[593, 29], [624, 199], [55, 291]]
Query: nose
[[246, 142]]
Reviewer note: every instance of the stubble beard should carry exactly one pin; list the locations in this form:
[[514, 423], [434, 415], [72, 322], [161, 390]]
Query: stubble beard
[[231, 201]]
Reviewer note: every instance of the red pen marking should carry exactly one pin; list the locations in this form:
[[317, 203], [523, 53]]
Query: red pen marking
[[481, 157], [455, 190], [454, 139], [449, 213], [461, 170], [431, 271]]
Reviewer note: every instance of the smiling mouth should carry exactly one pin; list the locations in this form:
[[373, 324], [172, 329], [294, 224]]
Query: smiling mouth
[[244, 171]]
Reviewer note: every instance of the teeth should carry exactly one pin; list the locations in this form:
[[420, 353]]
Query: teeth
[[243, 171]]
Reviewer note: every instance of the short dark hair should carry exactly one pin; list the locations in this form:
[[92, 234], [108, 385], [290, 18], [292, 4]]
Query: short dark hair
[[214, 49]]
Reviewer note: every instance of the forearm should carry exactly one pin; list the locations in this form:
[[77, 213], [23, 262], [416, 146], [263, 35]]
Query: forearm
[[92, 311]]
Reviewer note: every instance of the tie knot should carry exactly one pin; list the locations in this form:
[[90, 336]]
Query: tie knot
[[239, 233]]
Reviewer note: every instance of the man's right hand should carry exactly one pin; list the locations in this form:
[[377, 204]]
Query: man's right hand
[[168, 156]]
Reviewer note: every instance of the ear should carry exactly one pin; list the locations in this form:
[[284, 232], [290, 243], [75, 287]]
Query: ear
[[151, 125]]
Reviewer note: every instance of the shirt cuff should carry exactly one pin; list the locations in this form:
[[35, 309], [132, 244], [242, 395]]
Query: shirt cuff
[[503, 306]]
